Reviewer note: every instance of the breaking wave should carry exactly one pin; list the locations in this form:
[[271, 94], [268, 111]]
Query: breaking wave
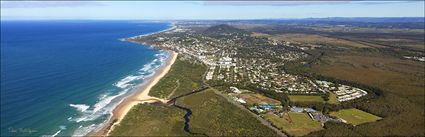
[[93, 117], [80, 107], [57, 132], [84, 130], [146, 71], [98, 109]]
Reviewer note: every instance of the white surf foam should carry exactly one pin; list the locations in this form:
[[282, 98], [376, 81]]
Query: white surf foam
[[147, 67], [98, 109], [141, 74], [57, 133], [84, 130], [102, 103], [80, 107], [105, 105], [124, 83]]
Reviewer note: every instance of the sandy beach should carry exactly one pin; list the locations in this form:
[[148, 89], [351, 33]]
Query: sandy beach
[[140, 96]]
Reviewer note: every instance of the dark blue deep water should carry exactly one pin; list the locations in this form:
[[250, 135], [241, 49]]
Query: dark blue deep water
[[64, 77]]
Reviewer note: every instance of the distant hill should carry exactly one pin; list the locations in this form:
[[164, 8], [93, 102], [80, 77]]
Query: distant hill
[[223, 30]]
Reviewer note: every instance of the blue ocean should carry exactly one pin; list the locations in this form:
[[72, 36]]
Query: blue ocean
[[63, 78]]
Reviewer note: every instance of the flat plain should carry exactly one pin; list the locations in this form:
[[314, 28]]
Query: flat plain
[[151, 120], [295, 124], [355, 116], [305, 98]]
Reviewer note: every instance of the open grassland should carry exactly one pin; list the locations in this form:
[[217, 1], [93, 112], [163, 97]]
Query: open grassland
[[214, 116], [305, 98], [367, 30], [262, 35], [183, 77], [254, 98], [347, 37], [355, 116], [412, 43], [150, 120], [333, 99], [314, 39], [295, 124]]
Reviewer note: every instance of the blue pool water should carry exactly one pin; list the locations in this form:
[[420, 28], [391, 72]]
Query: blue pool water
[[64, 77]]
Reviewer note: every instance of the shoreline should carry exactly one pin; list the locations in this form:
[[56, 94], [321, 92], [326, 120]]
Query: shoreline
[[153, 33], [141, 95]]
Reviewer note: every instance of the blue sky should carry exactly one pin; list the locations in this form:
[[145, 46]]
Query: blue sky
[[169, 10]]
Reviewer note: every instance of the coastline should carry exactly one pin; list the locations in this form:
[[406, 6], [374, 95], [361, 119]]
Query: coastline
[[138, 36], [141, 95]]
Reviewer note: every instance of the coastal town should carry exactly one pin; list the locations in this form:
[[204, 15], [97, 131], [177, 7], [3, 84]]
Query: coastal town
[[235, 58], [231, 60], [212, 68]]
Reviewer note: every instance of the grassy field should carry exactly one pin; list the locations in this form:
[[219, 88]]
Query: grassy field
[[314, 39], [295, 124], [355, 116], [415, 44], [261, 35], [183, 77], [150, 120], [214, 116], [254, 98], [305, 98], [332, 99]]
